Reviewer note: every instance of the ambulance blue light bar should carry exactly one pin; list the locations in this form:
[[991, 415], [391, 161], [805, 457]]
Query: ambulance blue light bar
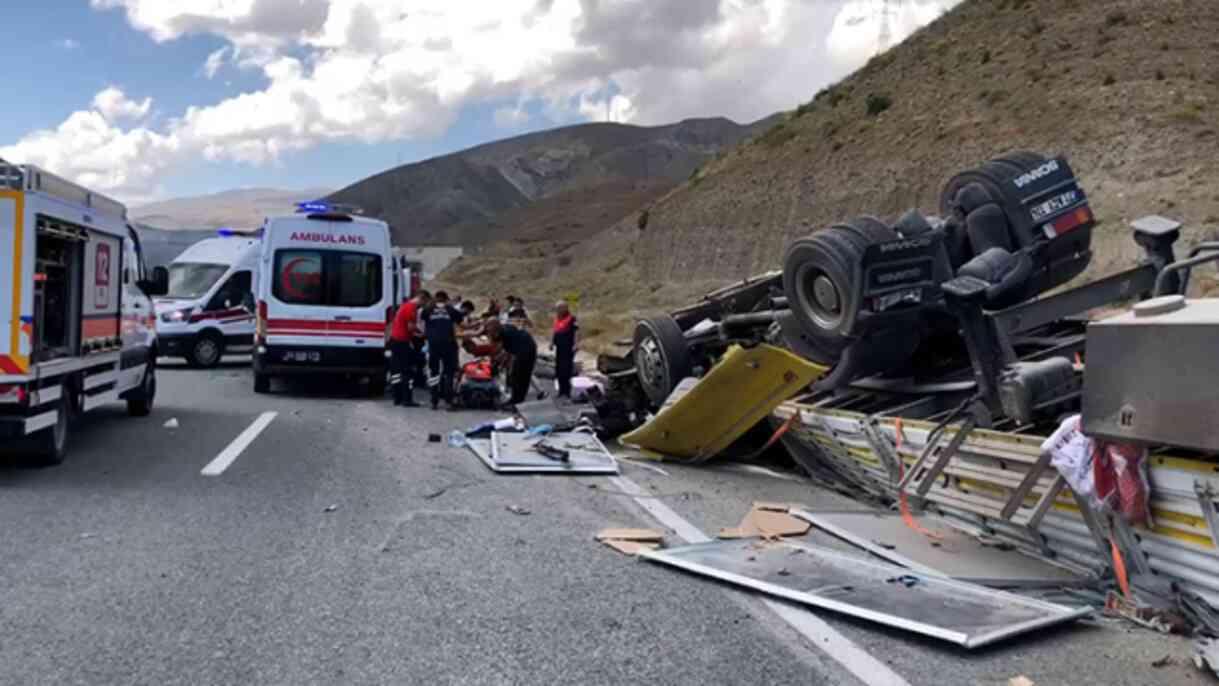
[[324, 207]]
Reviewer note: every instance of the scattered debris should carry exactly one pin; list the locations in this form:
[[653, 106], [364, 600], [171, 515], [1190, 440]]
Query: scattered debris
[[518, 510], [1162, 662], [330, 508], [907, 580], [768, 520], [631, 541], [436, 493], [171, 423], [1163, 620], [1021, 680], [434, 438], [1206, 654], [519, 453], [87, 535]]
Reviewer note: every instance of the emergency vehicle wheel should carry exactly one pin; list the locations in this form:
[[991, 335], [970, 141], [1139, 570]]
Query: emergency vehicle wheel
[[139, 402], [51, 444], [376, 385], [262, 383], [206, 351]]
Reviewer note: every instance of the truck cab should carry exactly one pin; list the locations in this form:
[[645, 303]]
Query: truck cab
[[325, 297], [208, 310]]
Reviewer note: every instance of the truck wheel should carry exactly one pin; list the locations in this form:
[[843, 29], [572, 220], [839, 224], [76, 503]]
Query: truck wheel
[[817, 272], [262, 383], [51, 444], [662, 358], [376, 385], [139, 402], [206, 351]]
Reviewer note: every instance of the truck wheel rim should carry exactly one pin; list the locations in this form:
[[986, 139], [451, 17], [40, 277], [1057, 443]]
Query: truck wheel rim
[[651, 362], [820, 298]]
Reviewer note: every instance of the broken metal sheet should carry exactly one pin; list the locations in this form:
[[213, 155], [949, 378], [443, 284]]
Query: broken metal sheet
[[955, 554], [509, 453], [961, 613]]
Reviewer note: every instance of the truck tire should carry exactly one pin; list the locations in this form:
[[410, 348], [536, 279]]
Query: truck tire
[[139, 400], [262, 383], [206, 350], [817, 274], [51, 444], [662, 358]]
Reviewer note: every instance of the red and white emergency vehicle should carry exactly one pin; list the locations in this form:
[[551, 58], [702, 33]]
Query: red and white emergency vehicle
[[76, 316], [208, 311], [325, 290]]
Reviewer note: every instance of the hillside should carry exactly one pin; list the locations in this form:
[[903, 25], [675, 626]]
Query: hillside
[[1126, 89], [241, 208], [472, 187]]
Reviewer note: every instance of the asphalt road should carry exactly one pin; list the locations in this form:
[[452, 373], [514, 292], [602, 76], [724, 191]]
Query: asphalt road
[[340, 546]]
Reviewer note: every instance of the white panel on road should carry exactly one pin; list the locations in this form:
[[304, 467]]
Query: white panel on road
[[226, 457]]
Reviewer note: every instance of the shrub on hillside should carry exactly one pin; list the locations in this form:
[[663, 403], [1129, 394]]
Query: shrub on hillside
[[877, 103]]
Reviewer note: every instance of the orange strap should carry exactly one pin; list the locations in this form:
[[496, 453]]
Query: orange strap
[[783, 428], [902, 504], [1119, 568]]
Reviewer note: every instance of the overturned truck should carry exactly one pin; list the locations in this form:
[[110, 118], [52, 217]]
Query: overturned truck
[[955, 349]]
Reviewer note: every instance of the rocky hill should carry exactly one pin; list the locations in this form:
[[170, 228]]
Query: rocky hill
[[242, 208], [1127, 89], [422, 201]]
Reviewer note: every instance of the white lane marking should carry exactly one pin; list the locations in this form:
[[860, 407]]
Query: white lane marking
[[855, 659], [226, 457]]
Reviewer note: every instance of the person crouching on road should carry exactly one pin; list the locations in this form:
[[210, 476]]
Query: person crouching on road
[[524, 351], [563, 342], [404, 348], [440, 322]]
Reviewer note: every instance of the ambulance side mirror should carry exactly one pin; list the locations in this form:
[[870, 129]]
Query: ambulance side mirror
[[157, 285], [247, 301]]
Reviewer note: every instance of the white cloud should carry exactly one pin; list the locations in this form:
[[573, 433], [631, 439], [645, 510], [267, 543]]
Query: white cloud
[[215, 60], [114, 105], [381, 70], [857, 31]]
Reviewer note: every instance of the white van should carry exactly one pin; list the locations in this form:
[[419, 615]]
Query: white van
[[208, 311], [325, 287], [76, 323]]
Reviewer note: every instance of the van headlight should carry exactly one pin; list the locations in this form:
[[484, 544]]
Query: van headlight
[[176, 316]]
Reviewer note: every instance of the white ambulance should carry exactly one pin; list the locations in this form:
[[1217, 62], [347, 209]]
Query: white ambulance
[[325, 286], [76, 317], [208, 311]]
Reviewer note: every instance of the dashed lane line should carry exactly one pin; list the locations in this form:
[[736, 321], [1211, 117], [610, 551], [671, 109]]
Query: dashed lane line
[[231, 452]]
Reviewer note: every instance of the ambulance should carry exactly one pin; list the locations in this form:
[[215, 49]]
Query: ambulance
[[326, 290], [76, 314], [208, 311]]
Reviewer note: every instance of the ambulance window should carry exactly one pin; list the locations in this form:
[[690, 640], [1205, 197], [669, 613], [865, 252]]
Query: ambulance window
[[358, 283], [232, 293], [298, 277]]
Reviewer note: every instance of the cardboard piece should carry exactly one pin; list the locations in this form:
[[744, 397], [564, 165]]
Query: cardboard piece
[[768, 520], [631, 541]]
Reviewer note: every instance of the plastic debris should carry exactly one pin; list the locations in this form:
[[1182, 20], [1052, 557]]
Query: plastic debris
[[1021, 680], [171, 423], [518, 510], [330, 508]]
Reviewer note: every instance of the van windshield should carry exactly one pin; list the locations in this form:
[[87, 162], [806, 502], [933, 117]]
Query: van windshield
[[190, 280], [332, 278]]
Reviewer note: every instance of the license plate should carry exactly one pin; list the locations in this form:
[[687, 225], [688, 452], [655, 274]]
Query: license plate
[[1054, 204], [302, 356]]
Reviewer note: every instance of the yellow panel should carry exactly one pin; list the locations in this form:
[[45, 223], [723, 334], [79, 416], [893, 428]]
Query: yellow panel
[[739, 391]]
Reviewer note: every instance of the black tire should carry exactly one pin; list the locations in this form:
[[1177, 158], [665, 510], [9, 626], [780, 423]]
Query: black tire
[[206, 351], [51, 444], [376, 385], [662, 358], [262, 383], [140, 400], [817, 273], [870, 229]]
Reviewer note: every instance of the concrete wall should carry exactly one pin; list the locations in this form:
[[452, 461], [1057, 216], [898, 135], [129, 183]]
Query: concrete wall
[[434, 257]]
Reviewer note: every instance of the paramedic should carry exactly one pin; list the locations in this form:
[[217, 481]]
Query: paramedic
[[405, 348], [524, 351], [440, 321], [563, 342]]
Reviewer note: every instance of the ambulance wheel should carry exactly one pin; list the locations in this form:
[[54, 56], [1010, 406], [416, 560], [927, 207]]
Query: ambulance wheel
[[376, 385], [51, 444], [262, 383], [139, 402], [206, 351]]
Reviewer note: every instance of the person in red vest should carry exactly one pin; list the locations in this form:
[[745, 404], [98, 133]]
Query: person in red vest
[[406, 348], [563, 342]]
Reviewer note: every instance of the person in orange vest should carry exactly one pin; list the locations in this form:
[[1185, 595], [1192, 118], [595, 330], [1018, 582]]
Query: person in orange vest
[[406, 348], [563, 342]]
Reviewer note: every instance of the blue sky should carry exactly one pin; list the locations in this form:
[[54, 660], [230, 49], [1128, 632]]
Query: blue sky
[[115, 93]]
